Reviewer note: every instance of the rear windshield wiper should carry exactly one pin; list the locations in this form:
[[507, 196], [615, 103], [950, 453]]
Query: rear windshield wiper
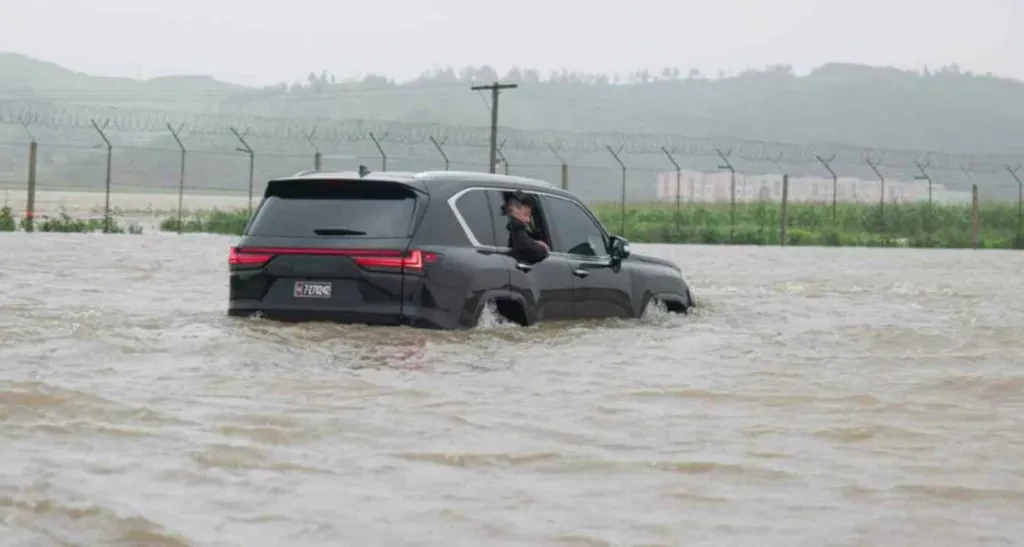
[[338, 232]]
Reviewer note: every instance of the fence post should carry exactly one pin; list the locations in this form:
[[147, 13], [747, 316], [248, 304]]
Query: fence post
[[783, 220], [783, 223], [622, 211], [565, 167], [679, 189], [928, 216], [252, 160], [1019, 243], [881, 200], [732, 190], [383, 155], [835, 184], [30, 201], [974, 215], [440, 150], [110, 155], [317, 156], [181, 172]]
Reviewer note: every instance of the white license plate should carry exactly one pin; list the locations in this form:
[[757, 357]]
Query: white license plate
[[312, 289]]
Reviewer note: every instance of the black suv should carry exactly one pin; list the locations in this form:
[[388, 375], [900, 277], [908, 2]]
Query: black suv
[[431, 250]]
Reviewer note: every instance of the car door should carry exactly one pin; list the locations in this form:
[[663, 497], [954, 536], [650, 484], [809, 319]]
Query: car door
[[547, 285], [600, 291], [489, 267]]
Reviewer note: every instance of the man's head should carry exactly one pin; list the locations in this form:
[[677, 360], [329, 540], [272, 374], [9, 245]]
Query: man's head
[[520, 206]]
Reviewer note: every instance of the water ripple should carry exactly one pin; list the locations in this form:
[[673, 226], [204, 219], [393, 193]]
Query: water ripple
[[815, 396]]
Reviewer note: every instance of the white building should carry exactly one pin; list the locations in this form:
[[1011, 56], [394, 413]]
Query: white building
[[715, 187]]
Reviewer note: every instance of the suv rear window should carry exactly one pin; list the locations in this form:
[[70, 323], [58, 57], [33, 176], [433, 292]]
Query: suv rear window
[[335, 208]]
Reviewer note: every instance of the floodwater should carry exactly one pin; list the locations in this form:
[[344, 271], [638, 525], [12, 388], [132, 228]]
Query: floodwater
[[817, 397]]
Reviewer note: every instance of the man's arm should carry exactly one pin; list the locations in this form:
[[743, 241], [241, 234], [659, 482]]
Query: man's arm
[[528, 248]]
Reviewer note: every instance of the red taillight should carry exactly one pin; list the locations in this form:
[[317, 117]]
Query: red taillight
[[248, 258], [367, 258], [415, 260]]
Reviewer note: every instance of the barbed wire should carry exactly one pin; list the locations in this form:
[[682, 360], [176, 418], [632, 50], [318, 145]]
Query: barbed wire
[[140, 120], [105, 94]]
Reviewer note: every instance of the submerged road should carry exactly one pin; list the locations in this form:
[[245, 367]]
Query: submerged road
[[817, 397]]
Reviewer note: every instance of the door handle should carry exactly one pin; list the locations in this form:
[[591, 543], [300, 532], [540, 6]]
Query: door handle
[[523, 267], [580, 272]]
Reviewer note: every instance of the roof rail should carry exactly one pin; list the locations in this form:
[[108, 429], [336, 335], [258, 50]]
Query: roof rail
[[305, 172]]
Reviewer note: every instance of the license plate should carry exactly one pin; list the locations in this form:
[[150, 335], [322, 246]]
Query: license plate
[[312, 289]]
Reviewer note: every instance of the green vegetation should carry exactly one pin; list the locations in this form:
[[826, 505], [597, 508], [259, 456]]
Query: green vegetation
[[7, 222], [905, 225], [65, 223], [212, 222]]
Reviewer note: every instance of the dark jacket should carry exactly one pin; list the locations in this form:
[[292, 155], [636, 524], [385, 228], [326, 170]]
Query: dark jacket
[[524, 247]]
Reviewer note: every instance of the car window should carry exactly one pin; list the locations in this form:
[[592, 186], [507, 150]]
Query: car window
[[497, 200], [576, 231], [496, 204], [335, 209], [475, 209]]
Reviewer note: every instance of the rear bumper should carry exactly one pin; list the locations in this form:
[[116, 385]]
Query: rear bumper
[[375, 316]]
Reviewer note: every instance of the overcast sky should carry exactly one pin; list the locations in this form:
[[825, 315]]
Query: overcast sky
[[262, 42]]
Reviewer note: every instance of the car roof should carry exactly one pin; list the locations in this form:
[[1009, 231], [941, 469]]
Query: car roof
[[428, 179]]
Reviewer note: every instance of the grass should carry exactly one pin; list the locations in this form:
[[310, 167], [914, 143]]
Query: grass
[[7, 222], [64, 223], [211, 222], [904, 225]]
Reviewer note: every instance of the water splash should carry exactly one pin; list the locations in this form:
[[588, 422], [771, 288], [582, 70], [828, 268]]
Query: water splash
[[656, 312], [490, 319], [702, 306]]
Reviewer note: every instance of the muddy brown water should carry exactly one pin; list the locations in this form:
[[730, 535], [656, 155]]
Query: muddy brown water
[[817, 397]]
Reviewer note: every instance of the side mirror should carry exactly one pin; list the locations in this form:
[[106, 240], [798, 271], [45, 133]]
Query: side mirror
[[618, 248]]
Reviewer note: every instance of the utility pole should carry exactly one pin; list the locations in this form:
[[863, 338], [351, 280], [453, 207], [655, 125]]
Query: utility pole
[[496, 89]]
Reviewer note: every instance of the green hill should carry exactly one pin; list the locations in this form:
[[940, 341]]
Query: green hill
[[946, 110], [23, 77]]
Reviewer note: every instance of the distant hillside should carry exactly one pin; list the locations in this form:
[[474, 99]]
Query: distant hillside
[[23, 77], [882, 107], [943, 110]]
